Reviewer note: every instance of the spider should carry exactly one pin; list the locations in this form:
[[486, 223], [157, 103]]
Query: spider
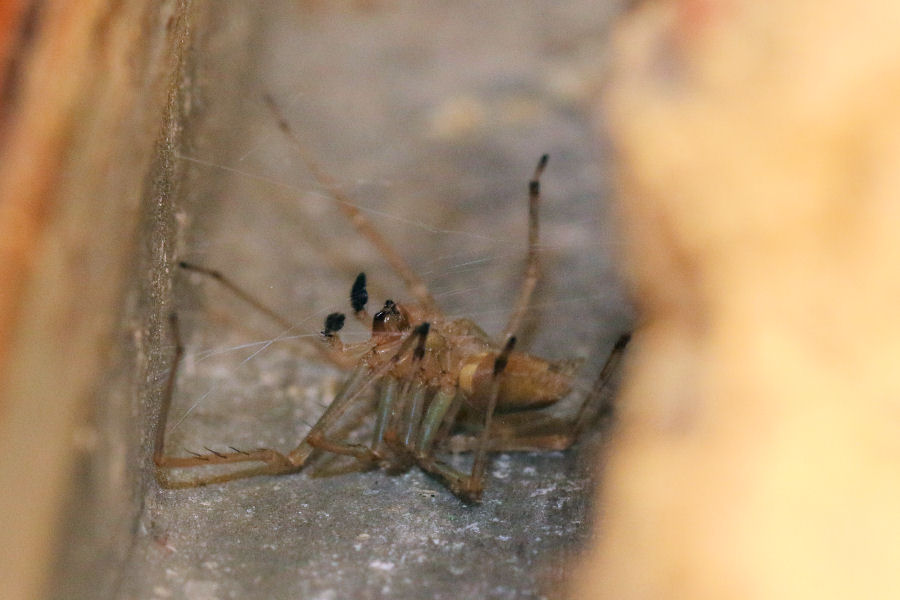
[[441, 384]]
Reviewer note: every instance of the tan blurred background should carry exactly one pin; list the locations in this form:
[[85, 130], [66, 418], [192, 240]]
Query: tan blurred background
[[757, 153], [90, 105]]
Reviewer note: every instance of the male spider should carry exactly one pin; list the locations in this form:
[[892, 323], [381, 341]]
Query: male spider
[[433, 377]]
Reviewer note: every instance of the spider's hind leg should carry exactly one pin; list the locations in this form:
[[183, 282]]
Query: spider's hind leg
[[535, 432], [532, 267]]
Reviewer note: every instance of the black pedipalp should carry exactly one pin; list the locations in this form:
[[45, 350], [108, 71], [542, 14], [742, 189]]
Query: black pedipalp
[[333, 323], [358, 294]]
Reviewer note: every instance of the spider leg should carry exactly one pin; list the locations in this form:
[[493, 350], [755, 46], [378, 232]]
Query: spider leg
[[395, 452], [436, 427], [354, 389], [329, 353], [469, 487], [557, 436], [386, 401], [596, 403], [412, 398], [532, 268], [360, 222], [274, 462], [430, 427], [413, 415], [541, 432], [399, 428]]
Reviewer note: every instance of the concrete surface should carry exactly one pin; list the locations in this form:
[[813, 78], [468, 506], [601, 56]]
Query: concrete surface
[[431, 118]]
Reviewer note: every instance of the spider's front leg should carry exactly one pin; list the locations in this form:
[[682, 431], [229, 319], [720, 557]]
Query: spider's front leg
[[354, 390], [274, 462]]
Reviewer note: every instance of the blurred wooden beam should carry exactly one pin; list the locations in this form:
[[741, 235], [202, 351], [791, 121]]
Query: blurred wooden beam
[[90, 111]]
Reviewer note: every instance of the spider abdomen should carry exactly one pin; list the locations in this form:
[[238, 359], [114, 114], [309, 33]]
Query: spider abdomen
[[528, 381]]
